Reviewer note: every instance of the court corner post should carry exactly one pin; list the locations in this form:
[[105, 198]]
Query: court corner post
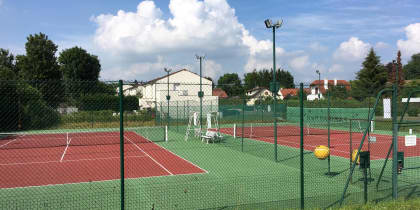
[[121, 96], [302, 182]]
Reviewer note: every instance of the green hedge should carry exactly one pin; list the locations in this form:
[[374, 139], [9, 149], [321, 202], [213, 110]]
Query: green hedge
[[105, 116], [34, 111], [99, 102]]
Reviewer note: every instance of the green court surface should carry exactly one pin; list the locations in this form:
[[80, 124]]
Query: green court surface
[[235, 178]]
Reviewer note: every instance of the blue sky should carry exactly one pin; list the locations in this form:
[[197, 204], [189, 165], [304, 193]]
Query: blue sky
[[137, 39]]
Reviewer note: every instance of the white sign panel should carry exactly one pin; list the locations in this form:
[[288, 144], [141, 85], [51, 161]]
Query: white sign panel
[[410, 140], [387, 108], [208, 120], [411, 100], [372, 139]]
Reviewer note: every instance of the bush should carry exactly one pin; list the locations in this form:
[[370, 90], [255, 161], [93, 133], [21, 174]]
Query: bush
[[107, 102], [35, 112], [412, 112]]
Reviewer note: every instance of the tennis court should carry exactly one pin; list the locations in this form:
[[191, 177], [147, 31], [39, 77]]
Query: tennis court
[[342, 142], [64, 158]]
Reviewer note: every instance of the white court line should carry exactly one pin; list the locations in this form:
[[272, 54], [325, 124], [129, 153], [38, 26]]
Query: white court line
[[65, 150], [108, 180], [8, 143], [149, 156], [76, 160], [173, 153]]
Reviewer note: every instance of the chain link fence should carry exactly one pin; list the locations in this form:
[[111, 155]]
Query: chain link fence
[[110, 145]]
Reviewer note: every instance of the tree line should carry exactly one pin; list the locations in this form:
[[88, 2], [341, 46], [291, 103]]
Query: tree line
[[234, 86], [370, 79], [35, 84]]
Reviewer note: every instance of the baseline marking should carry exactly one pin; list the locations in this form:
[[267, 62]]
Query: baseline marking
[[150, 156]]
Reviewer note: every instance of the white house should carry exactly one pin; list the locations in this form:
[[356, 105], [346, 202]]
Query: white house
[[133, 90], [258, 93], [184, 86], [321, 86]]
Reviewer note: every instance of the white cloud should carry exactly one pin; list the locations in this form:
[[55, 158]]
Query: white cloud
[[335, 68], [316, 46], [381, 45], [135, 39], [351, 50], [411, 45], [299, 63], [212, 69]]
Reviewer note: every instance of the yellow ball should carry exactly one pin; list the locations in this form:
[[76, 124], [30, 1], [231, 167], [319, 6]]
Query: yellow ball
[[353, 156], [322, 152]]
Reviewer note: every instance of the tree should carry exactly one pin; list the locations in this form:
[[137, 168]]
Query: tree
[[338, 92], [78, 65], [231, 84], [412, 68], [40, 67], [80, 70], [371, 78], [392, 69], [251, 80], [7, 60], [262, 78]]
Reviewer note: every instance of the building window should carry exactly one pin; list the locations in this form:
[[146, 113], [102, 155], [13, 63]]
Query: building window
[[176, 85]]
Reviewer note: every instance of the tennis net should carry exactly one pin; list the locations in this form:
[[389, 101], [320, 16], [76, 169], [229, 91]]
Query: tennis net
[[252, 130], [44, 140]]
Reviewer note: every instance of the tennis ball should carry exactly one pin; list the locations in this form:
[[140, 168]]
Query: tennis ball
[[321, 152]]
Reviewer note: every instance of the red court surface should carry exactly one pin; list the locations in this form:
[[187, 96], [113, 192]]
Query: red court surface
[[45, 159], [339, 142]]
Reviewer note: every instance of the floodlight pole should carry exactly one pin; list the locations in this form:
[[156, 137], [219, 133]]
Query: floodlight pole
[[200, 93], [319, 84], [168, 97], [274, 85]]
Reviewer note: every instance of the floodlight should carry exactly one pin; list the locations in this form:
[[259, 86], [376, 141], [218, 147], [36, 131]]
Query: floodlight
[[279, 23], [167, 70], [317, 71], [268, 23]]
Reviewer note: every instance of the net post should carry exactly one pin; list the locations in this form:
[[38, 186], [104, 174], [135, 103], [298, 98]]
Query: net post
[[121, 96], [302, 182], [166, 133], [234, 130]]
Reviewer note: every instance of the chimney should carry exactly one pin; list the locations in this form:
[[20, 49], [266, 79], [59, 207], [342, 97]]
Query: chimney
[[335, 82], [325, 84]]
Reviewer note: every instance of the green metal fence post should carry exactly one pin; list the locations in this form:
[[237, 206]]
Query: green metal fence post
[[395, 136], [176, 115], [329, 124], [120, 83], [302, 182], [243, 124]]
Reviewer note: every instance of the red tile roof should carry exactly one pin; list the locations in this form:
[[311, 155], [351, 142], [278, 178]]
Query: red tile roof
[[330, 84], [289, 91], [219, 92]]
